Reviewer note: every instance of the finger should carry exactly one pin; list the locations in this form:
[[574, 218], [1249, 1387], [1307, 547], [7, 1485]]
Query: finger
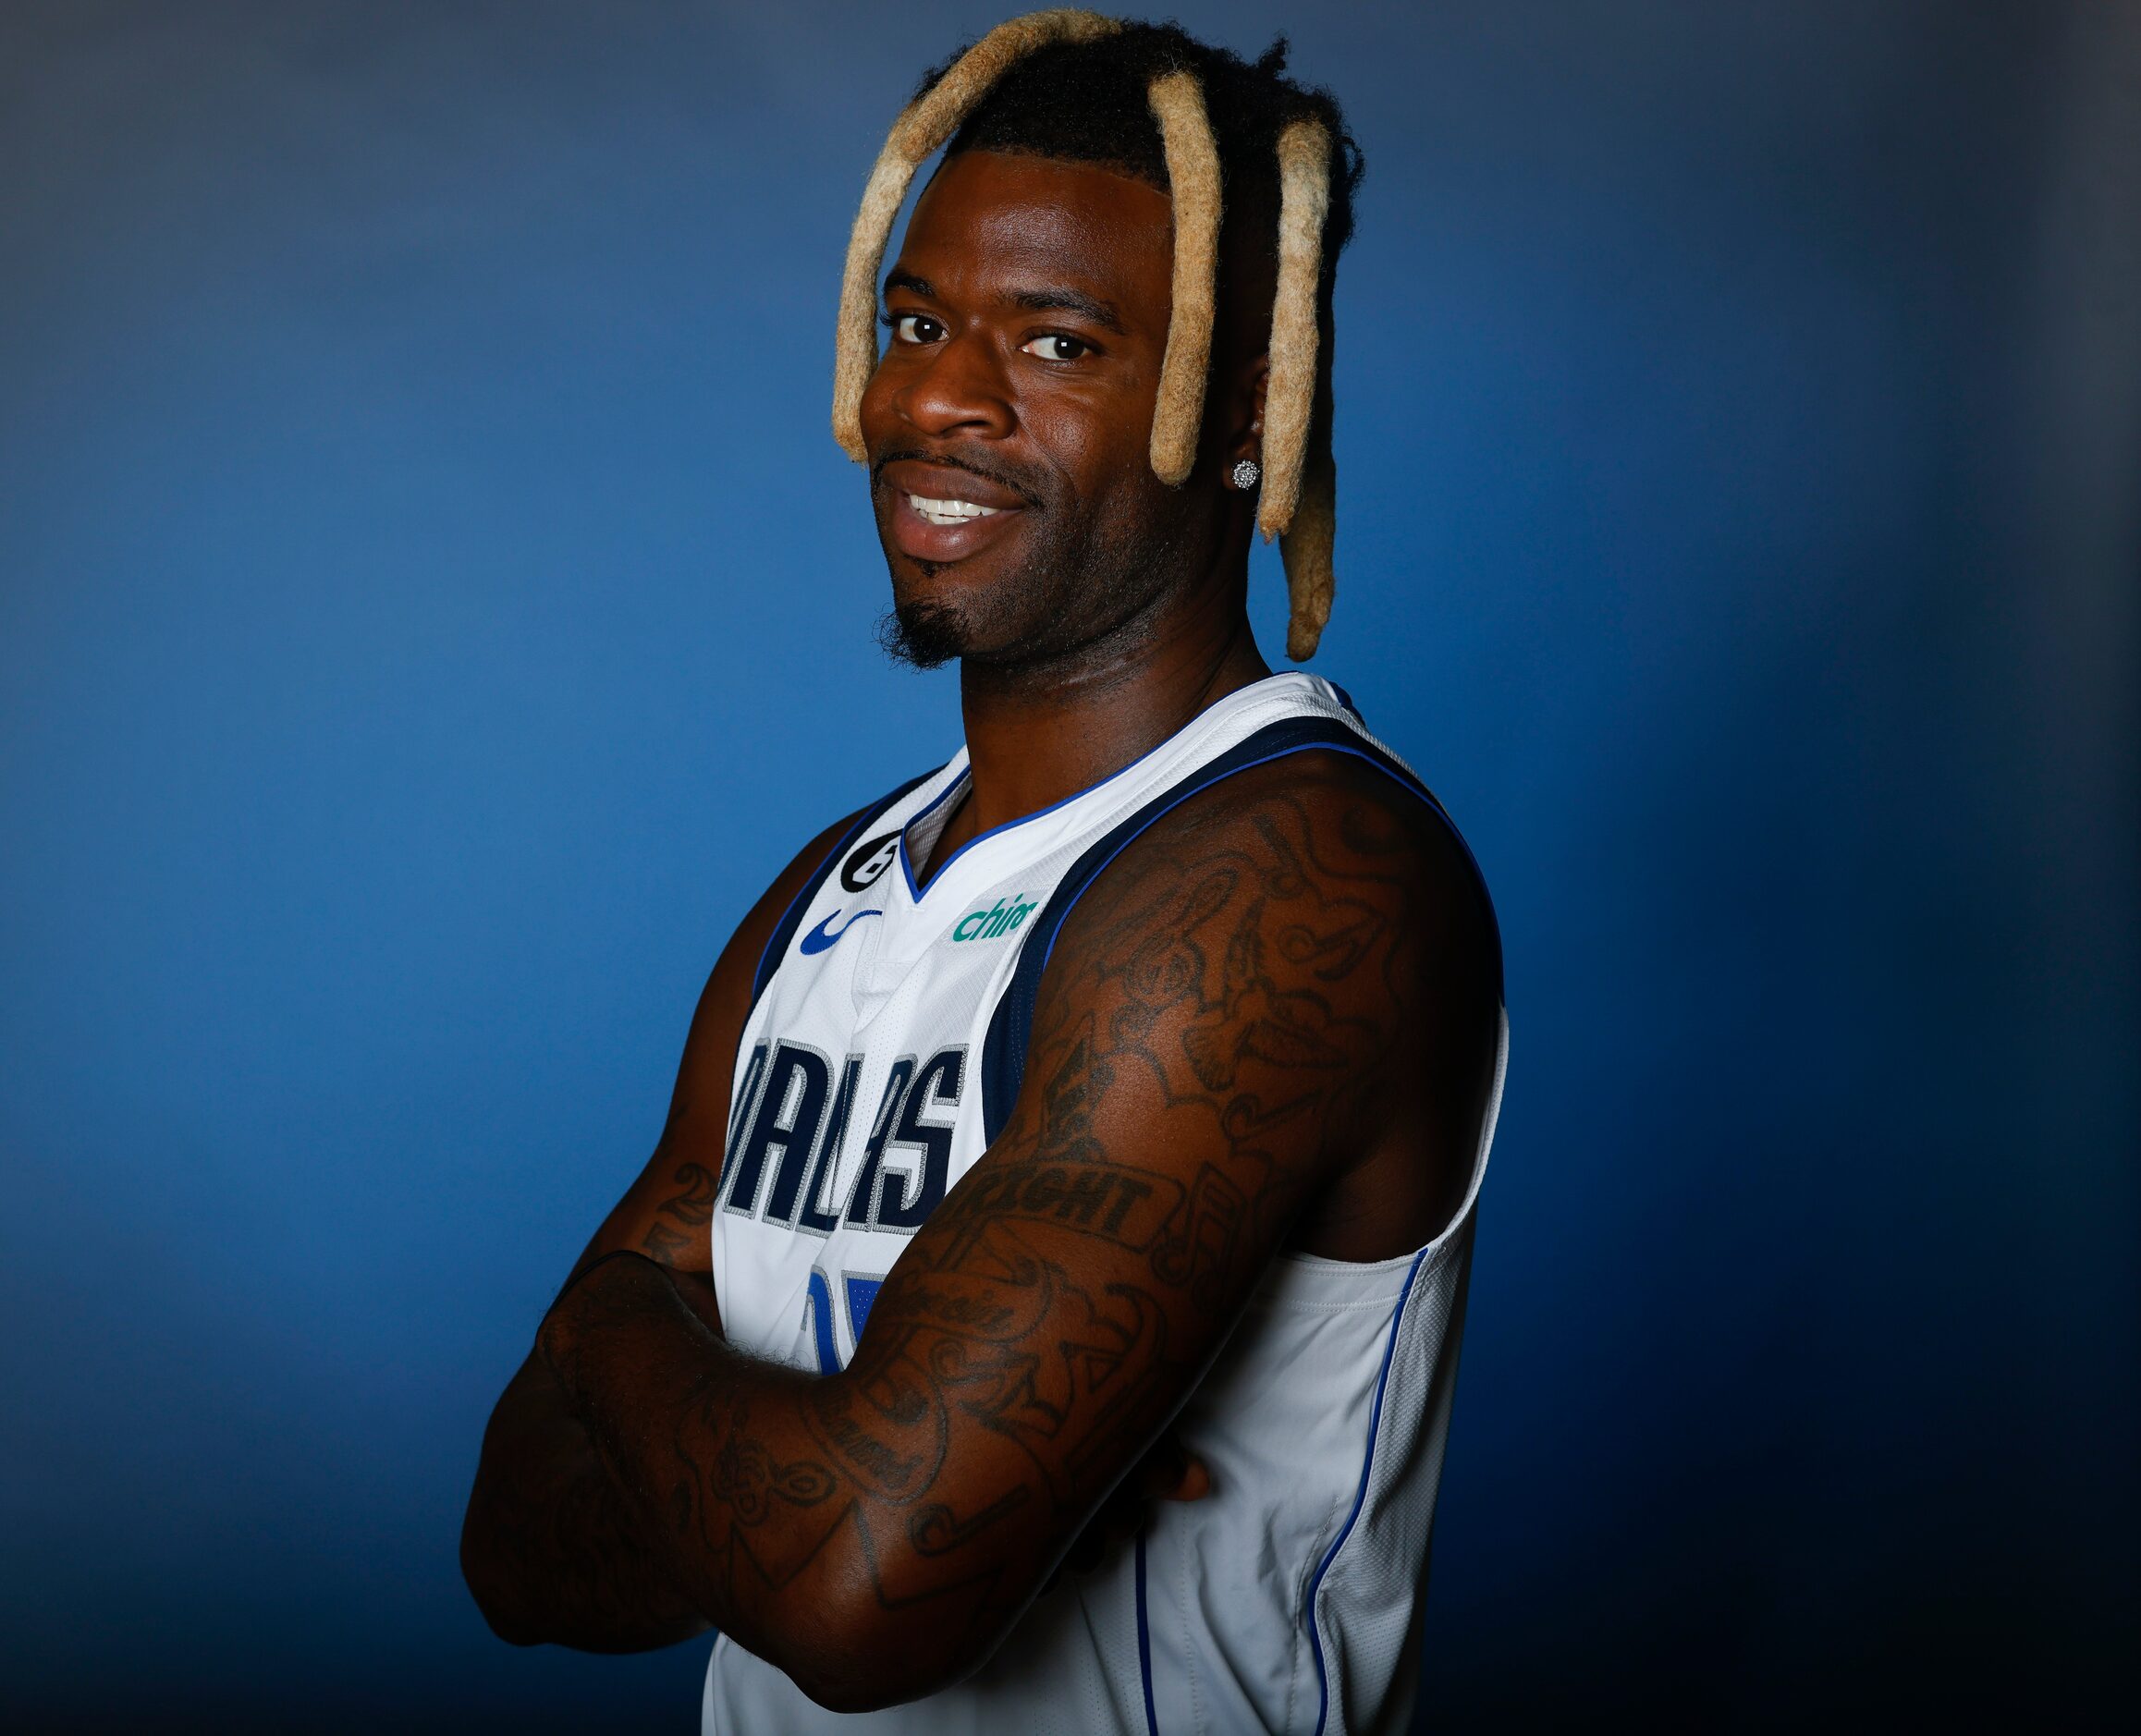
[[1192, 1485]]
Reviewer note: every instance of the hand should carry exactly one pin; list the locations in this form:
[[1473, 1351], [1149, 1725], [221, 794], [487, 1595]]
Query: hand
[[606, 1288], [1169, 1471]]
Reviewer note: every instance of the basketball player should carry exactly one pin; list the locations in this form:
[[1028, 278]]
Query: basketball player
[[1098, 1118]]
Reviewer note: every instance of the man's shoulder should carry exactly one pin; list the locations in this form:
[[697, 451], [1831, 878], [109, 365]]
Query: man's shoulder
[[737, 968], [1320, 876], [1301, 954], [1326, 823], [836, 845]]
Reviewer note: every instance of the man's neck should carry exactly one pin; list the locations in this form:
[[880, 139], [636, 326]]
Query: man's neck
[[1036, 737]]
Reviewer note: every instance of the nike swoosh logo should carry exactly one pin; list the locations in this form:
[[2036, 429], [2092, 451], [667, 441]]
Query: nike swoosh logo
[[825, 934]]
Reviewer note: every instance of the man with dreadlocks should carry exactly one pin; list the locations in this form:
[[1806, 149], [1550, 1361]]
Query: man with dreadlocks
[[1073, 1159]]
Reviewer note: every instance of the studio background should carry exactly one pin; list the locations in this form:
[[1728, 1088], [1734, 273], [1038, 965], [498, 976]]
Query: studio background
[[432, 607]]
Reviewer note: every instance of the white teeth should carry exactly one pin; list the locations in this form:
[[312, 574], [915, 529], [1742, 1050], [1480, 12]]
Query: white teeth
[[947, 512]]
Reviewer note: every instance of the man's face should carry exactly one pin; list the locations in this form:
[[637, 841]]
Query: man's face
[[1009, 420]]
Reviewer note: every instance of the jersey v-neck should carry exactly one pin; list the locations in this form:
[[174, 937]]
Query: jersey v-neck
[[919, 838]]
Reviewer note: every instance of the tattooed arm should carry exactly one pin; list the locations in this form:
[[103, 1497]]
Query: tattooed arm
[[1269, 1023], [551, 1548]]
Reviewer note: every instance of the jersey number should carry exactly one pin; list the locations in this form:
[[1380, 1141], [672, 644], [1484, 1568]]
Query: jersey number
[[786, 1131], [860, 1293]]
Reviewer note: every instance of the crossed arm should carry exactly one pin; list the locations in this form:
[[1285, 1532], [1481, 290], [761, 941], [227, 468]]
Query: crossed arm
[[1265, 987]]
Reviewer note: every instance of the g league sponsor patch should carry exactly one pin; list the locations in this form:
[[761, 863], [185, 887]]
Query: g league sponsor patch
[[867, 862]]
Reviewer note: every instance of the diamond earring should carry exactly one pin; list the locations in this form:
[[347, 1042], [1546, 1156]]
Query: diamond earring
[[1246, 473]]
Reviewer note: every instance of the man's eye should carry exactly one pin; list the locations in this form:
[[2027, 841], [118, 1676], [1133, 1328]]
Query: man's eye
[[915, 328], [1056, 346]]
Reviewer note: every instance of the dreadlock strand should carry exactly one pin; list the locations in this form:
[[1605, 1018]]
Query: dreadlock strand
[[924, 125], [1306, 546], [1192, 158], [855, 351], [1311, 580], [1289, 392]]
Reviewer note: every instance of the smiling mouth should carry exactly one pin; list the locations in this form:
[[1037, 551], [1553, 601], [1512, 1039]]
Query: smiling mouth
[[936, 511], [943, 511]]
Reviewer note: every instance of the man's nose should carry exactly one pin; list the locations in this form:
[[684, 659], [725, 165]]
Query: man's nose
[[961, 388]]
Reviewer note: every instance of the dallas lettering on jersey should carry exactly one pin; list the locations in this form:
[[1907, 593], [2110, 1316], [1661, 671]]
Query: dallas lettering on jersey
[[791, 1122]]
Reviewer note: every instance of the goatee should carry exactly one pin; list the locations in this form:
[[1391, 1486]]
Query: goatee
[[924, 634]]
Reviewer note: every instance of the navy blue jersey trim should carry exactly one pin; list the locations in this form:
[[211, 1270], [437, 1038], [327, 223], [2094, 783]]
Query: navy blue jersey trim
[[1360, 1495], [1145, 1644], [1010, 1026], [915, 819], [783, 936]]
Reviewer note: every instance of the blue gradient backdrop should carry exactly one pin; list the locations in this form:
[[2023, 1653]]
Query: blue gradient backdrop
[[431, 607]]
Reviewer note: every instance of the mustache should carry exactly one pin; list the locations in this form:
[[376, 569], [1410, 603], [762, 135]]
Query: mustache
[[952, 461]]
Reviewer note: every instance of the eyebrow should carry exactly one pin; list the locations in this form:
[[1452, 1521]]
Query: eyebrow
[[1101, 313], [1070, 301]]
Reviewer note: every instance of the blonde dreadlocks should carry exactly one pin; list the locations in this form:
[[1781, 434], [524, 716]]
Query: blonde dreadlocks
[[1298, 499]]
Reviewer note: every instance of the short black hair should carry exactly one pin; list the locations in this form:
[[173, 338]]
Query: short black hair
[[1087, 102]]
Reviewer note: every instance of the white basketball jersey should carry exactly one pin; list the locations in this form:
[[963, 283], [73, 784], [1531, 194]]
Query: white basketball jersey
[[882, 1054]]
